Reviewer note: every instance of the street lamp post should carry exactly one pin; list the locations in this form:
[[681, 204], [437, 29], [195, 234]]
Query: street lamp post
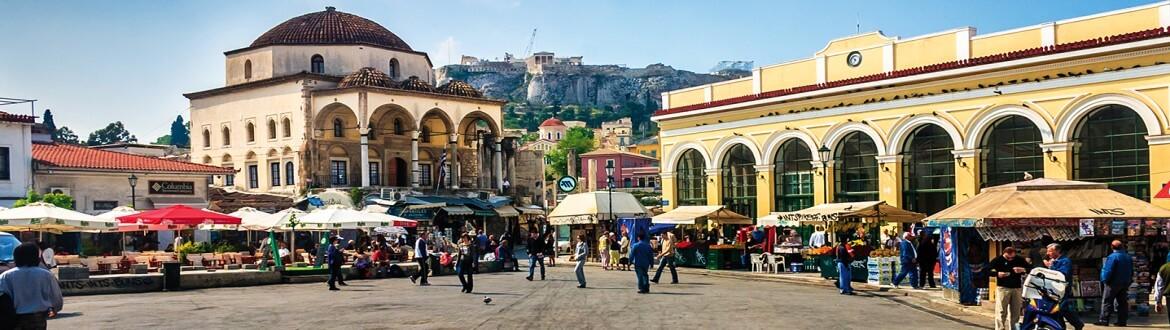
[[133, 198], [825, 153], [609, 184]]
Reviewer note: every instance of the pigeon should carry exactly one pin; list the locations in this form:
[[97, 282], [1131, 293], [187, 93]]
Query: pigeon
[[487, 300]]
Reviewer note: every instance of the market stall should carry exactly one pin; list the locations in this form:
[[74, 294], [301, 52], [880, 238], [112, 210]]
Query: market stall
[[692, 221], [592, 212], [857, 224], [1084, 217]]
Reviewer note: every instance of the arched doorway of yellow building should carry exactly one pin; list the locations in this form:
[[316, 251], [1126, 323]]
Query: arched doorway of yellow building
[[855, 171], [689, 177], [928, 170], [739, 180], [1111, 147], [1011, 148], [793, 176]]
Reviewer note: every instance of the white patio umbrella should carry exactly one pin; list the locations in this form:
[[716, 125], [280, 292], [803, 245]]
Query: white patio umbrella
[[220, 226], [45, 217], [333, 218], [253, 219]]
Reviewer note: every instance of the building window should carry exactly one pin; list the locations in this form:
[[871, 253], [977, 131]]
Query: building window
[[247, 69], [793, 175], [287, 127], [928, 170], [272, 129], [398, 126], [5, 164], [558, 136], [691, 179], [424, 175], [227, 136], [289, 174], [375, 173], [856, 170], [392, 69], [338, 127], [274, 172], [337, 171], [104, 205], [206, 138], [317, 64], [627, 183], [1112, 149], [739, 180], [426, 134], [250, 132], [1010, 149], [229, 179], [253, 176]]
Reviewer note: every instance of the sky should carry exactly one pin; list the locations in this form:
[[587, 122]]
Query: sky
[[94, 62]]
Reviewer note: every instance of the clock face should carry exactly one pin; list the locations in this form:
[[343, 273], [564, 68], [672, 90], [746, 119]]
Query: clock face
[[854, 59]]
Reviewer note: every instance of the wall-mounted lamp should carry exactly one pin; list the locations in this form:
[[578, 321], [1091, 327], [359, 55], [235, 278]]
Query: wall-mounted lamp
[[959, 160], [885, 168], [1051, 157]]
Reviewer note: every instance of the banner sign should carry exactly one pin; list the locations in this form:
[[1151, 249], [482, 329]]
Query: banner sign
[[172, 187]]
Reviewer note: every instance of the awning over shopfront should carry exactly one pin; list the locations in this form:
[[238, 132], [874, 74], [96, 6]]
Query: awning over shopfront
[[458, 210], [689, 215], [588, 208], [531, 210], [507, 211], [165, 202], [775, 219], [1044, 202], [834, 211]]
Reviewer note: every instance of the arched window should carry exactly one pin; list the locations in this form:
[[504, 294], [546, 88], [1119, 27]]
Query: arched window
[[856, 170], [338, 127], [398, 126], [287, 127], [794, 182], [690, 178], [1112, 148], [373, 132], [317, 64], [739, 180], [272, 129], [250, 132], [1010, 149], [206, 138], [247, 69], [392, 69], [928, 170], [289, 174], [227, 136]]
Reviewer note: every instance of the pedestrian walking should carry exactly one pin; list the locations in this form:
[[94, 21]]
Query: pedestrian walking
[[581, 253], [909, 259], [550, 247], [615, 250], [464, 263], [535, 255], [504, 251], [336, 258], [624, 260], [35, 292], [1116, 276], [265, 251], [927, 257], [666, 258], [642, 256], [1162, 289], [844, 275], [1009, 270], [480, 244], [1058, 262], [603, 249], [422, 257]]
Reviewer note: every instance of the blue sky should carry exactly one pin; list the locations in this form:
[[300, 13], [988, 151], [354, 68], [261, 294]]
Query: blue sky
[[94, 62]]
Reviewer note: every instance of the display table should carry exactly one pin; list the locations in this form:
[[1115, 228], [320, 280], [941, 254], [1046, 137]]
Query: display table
[[828, 266], [724, 258], [690, 257]]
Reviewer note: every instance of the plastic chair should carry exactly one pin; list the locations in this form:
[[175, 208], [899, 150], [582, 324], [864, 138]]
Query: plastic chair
[[757, 262], [774, 262]]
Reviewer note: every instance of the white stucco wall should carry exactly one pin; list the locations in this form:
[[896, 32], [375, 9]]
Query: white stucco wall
[[17, 137], [87, 187], [340, 60]]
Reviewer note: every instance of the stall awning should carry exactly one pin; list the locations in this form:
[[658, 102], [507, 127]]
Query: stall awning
[[507, 211], [531, 210], [587, 208], [165, 202], [834, 211], [774, 219], [689, 215], [458, 210], [1044, 202]]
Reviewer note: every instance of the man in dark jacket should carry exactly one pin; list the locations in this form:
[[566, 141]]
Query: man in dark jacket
[[535, 255], [844, 274], [642, 256], [909, 260], [927, 257], [335, 258], [1116, 276], [421, 256]]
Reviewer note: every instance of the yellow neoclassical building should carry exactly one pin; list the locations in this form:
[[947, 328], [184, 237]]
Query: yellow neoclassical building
[[925, 122]]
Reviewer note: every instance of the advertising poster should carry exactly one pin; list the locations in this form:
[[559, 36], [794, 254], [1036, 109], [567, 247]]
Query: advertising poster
[[948, 258], [1117, 227], [1087, 229]]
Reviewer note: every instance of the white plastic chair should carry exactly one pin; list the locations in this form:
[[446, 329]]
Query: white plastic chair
[[774, 262], [757, 262]]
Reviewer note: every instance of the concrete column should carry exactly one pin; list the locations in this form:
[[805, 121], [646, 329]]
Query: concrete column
[[453, 159], [967, 174], [890, 179], [498, 164], [668, 193], [765, 190], [714, 186], [1058, 160], [365, 154], [414, 159], [823, 182]]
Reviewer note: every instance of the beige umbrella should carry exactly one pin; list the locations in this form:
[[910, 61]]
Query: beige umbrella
[[588, 208], [1045, 202], [45, 217]]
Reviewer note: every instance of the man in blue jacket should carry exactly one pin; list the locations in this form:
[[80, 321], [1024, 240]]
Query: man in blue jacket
[[335, 257], [642, 257], [1116, 276], [1058, 262], [909, 260]]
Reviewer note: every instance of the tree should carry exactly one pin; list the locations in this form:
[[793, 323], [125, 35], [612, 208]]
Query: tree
[[163, 140], [66, 135], [113, 133], [579, 140], [529, 137], [180, 134], [60, 200], [51, 126]]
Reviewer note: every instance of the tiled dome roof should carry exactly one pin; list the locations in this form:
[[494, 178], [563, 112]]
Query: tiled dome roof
[[552, 122], [367, 76], [330, 27], [459, 88], [414, 84]]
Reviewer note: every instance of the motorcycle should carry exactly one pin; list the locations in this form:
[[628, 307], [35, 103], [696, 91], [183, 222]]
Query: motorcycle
[[1043, 300]]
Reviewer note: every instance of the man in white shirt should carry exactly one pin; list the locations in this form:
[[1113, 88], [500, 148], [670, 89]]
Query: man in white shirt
[[818, 238], [47, 254]]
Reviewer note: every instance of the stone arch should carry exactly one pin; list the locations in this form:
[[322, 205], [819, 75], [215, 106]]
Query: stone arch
[[906, 128], [468, 125], [985, 120], [725, 145], [272, 153], [286, 151], [676, 153], [338, 151], [324, 119], [840, 131], [207, 159], [772, 145], [447, 124], [1074, 113], [250, 156], [382, 119]]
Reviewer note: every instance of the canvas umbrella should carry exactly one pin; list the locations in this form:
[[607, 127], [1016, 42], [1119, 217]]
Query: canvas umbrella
[[333, 217], [45, 217], [179, 216]]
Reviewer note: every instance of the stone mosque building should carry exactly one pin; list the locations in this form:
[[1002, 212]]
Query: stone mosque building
[[331, 99]]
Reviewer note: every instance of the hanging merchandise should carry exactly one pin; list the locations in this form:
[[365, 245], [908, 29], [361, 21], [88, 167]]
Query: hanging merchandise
[[1087, 227]]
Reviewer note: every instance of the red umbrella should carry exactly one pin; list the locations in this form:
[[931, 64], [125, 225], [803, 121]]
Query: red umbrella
[[179, 215]]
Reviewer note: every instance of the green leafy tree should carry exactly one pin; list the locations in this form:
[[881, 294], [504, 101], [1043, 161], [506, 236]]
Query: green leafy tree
[[60, 200], [529, 137], [180, 134], [50, 125], [113, 133], [163, 140], [577, 139], [66, 135]]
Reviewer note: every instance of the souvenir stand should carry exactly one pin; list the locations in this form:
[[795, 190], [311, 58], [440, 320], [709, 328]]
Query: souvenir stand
[[857, 224], [788, 246], [1083, 217], [694, 219], [590, 213]]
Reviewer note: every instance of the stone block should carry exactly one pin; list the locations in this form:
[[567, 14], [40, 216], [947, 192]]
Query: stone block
[[71, 272], [138, 269]]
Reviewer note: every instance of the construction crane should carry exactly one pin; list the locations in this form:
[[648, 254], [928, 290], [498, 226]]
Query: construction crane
[[531, 40]]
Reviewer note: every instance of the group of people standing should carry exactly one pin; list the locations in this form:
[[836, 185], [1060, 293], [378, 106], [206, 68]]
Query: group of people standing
[[640, 254]]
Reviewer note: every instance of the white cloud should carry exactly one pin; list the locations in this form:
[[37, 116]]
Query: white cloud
[[448, 52]]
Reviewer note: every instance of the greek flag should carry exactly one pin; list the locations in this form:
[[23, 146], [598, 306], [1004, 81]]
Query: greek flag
[[442, 170]]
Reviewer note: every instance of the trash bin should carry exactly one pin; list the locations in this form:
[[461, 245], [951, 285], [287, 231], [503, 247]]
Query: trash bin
[[171, 276]]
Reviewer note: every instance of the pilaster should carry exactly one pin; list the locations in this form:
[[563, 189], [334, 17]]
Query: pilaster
[[967, 171], [890, 179], [765, 189], [1058, 160]]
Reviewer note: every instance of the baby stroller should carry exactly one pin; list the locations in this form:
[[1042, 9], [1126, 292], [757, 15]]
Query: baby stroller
[[1043, 297]]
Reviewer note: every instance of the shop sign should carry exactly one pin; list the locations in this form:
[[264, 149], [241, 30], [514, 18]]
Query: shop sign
[[567, 184], [172, 187]]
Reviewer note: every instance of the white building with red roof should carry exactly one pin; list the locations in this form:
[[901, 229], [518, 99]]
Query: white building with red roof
[[15, 156]]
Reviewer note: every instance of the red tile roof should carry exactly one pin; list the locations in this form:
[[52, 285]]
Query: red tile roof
[[4, 116], [71, 156]]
